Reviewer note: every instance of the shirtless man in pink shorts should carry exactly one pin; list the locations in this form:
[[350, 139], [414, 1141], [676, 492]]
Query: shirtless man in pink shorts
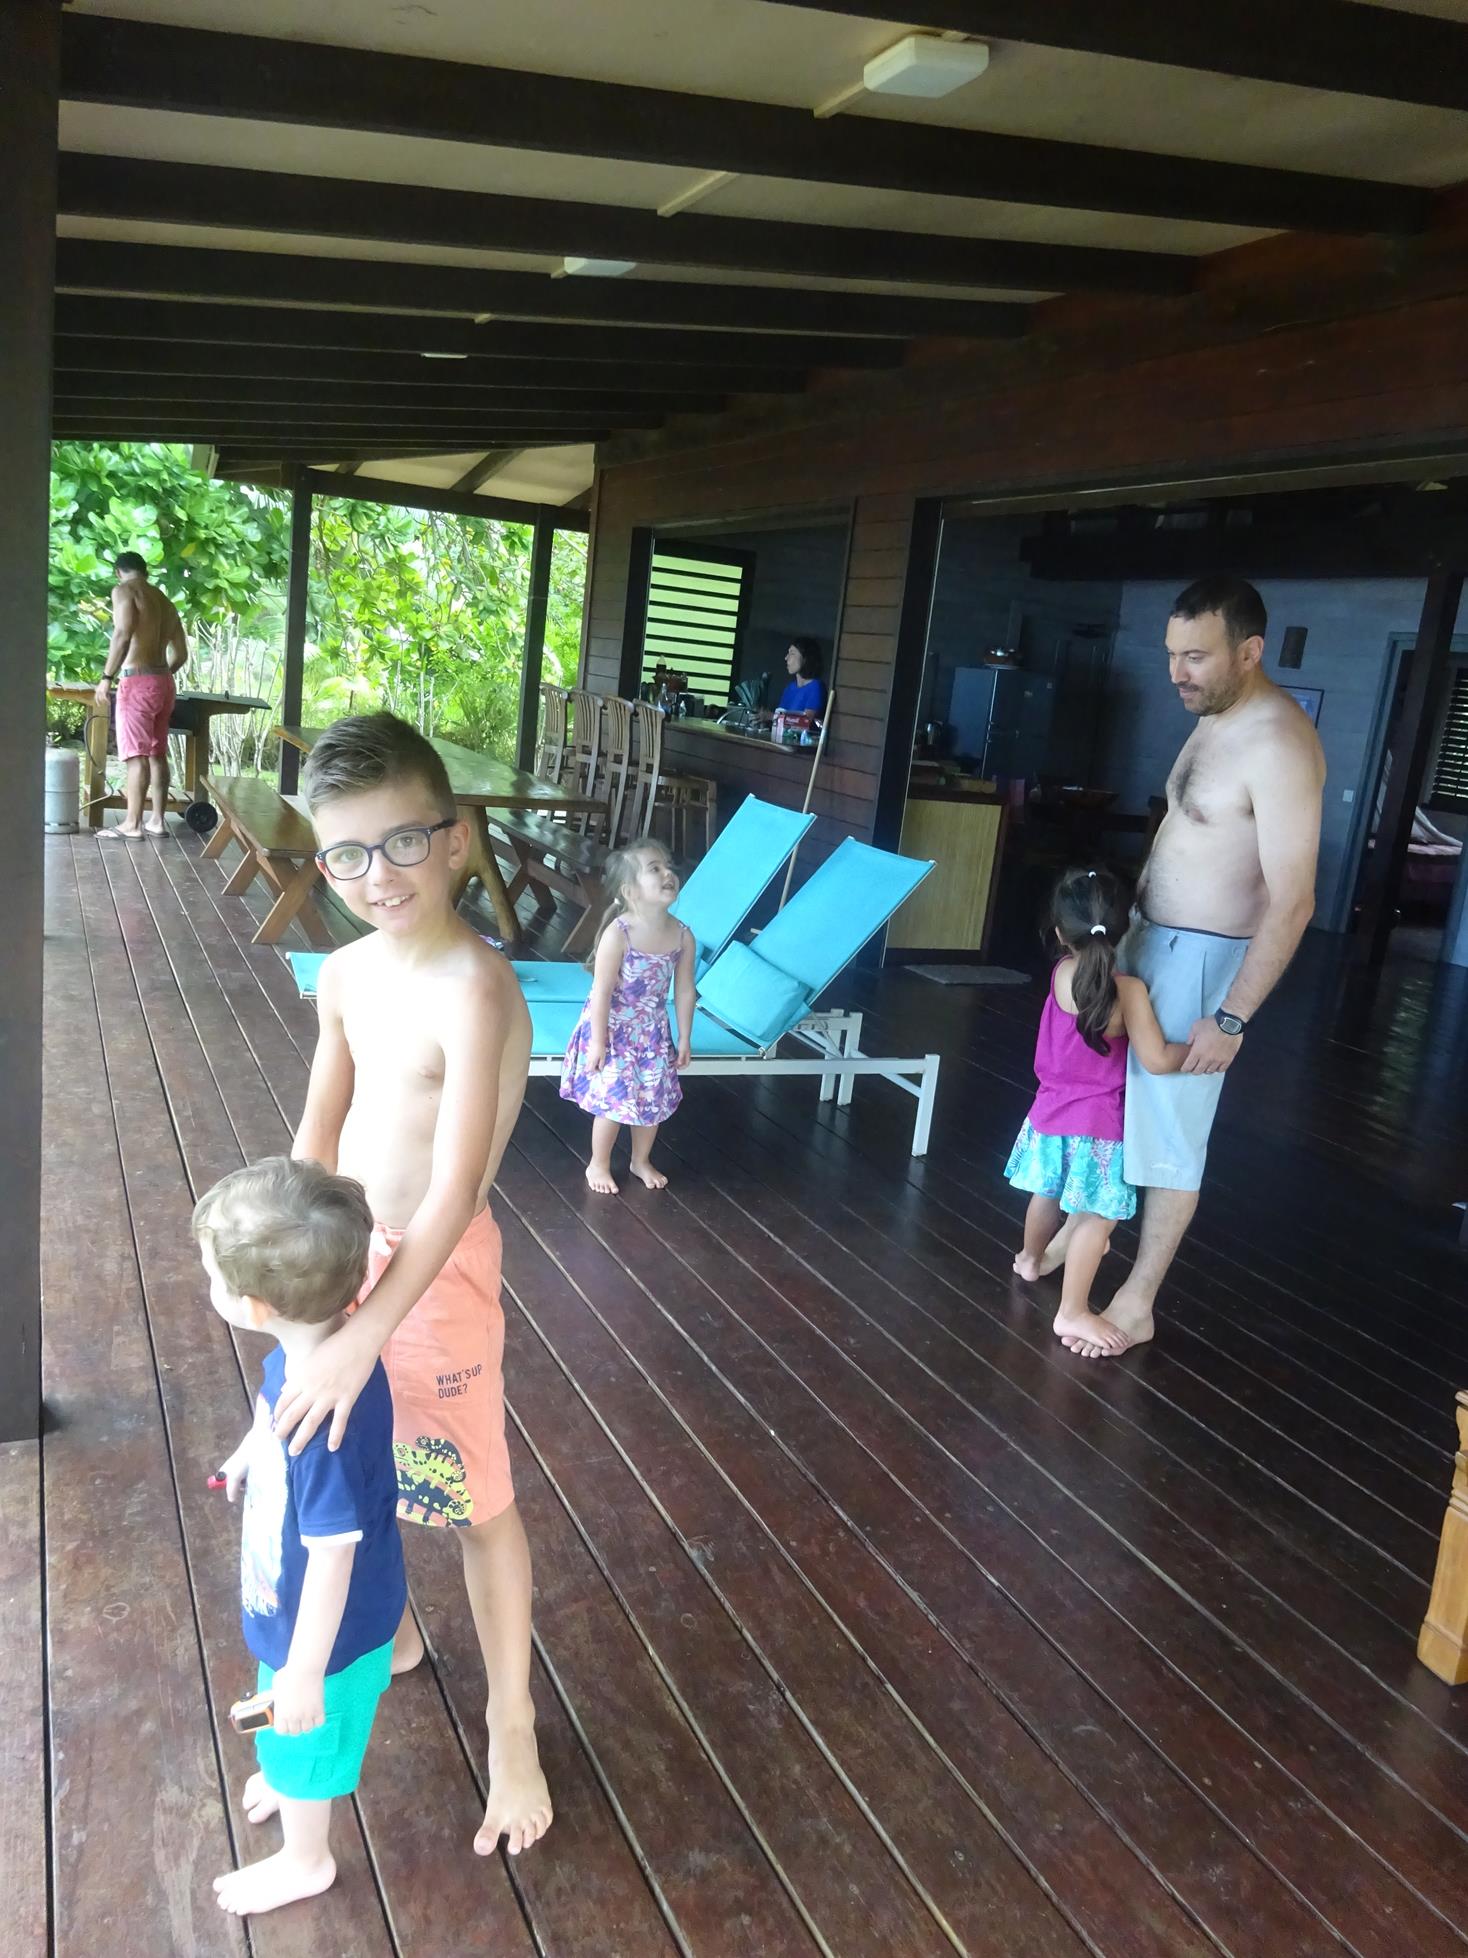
[[148, 647]]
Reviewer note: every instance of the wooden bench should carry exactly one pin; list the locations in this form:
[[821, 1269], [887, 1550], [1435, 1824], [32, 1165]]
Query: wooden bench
[[559, 860], [277, 843]]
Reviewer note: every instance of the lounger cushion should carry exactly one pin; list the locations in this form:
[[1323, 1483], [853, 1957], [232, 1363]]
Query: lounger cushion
[[752, 996]]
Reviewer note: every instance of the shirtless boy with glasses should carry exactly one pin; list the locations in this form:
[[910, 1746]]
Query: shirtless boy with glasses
[[418, 1076]]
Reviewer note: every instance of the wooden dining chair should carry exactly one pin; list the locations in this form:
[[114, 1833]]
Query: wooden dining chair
[[614, 756], [646, 773], [583, 747], [552, 750]]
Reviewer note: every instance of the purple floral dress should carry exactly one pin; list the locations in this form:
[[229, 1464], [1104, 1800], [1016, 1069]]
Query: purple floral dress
[[638, 1081]]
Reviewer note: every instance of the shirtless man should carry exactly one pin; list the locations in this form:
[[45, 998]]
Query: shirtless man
[[148, 647], [417, 1079], [1225, 898]]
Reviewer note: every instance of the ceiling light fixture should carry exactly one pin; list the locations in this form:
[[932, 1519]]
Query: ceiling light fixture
[[597, 268], [923, 65]]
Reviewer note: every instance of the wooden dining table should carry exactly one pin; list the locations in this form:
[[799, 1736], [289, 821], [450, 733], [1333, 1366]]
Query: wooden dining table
[[480, 783], [193, 715]]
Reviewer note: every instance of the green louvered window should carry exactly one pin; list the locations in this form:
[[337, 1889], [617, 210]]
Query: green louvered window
[[695, 609], [1450, 770]]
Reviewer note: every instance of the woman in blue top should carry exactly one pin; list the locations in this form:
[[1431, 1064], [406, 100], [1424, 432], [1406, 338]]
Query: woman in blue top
[[805, 692]]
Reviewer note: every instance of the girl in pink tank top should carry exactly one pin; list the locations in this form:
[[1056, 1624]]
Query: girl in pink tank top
[[1068, 1155]]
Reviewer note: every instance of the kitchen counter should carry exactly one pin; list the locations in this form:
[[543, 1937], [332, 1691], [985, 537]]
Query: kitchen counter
[[710, 730]]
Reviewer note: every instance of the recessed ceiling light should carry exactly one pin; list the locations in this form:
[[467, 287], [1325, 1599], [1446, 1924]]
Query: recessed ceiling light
[[425, 355], [598, 268], [923, 65]]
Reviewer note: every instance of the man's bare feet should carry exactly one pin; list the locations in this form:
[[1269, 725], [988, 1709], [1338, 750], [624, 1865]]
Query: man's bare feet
[[259, 1801], [1028, 1268], [600, 1180], [653, 1178], [407, 1645], [1131, 1315], [519, 1805], [1088, 1334], [118, 829], [279, 1879]]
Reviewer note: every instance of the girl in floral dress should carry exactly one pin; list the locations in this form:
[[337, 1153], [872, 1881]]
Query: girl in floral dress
[[621, 1066], [1068, 1155]]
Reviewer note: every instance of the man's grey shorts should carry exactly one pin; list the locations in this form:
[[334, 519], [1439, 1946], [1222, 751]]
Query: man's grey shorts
[[1169, 1116]]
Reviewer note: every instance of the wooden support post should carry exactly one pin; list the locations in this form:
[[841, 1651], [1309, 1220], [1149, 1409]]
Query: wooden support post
[[30, 59], [535, 616], [1443, 1644], [297, 584], [1409, 739]]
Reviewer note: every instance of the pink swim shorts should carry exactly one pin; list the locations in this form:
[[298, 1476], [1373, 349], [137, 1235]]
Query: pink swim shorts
[[144, 709]]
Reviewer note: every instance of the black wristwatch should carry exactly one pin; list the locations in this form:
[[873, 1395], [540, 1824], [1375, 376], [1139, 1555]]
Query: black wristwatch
[[1229, 1023]]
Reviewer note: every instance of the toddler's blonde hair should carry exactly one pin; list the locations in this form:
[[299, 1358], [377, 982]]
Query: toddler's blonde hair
[[290, 1234], [623, 868]]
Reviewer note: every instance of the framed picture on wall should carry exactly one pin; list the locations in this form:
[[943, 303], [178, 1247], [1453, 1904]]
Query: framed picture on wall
[[1307, 697]]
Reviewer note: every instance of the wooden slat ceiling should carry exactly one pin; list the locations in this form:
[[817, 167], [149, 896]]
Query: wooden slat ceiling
[[310, 229]]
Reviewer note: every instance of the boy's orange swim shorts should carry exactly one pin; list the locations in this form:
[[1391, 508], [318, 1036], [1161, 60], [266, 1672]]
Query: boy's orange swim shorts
[[444, 1364]]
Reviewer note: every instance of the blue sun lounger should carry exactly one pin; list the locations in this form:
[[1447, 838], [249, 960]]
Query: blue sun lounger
[[722, 889], [751, 997], [748, 855]]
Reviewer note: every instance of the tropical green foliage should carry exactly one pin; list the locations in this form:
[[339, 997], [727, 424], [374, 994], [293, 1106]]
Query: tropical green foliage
[[218, 549], [418, 612]]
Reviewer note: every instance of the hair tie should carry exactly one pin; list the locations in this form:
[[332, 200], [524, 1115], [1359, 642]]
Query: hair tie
[[1096, 928]]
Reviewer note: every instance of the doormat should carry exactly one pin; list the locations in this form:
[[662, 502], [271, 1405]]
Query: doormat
[[971, 975]]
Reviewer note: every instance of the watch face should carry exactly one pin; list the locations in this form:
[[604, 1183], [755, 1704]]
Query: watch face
[[1229, 1023]]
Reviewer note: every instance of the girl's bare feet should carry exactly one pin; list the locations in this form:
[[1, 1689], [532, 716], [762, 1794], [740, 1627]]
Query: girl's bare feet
[[259, 1800], [1093, 1337], [645, 1173], [519, 1805], [599, 1178], [1028, 1268], [279, 1879]]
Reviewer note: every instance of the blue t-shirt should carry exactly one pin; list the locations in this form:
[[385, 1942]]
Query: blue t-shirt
[[321, 1497], [803, 697]]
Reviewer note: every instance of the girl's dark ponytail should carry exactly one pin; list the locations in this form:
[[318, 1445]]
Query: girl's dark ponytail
[[1089, 916]]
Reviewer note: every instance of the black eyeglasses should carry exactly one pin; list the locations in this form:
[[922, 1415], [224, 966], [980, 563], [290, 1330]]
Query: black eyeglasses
[[404, 847]]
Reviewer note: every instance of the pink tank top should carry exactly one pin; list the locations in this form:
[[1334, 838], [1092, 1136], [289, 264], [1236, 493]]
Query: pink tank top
[[1081, 1091]]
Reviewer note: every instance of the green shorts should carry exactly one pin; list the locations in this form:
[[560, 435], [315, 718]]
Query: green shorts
[[318, 1766]]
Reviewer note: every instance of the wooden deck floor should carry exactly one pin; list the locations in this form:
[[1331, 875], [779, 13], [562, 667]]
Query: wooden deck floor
[[868, 1621]]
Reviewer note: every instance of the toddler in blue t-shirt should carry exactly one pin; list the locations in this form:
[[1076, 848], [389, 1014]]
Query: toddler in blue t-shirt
[[321, 1566]]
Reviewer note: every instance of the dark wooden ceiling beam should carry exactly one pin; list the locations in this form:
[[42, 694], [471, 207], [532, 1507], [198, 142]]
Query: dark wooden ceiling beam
[[418, 496], [549, 404], [1323, 44], [273, 471], [384, 427], [478, 432], [141, 190], [299, 278], [411, 370], [1404, 542], [489, 464], [147, 65], [112, 317]]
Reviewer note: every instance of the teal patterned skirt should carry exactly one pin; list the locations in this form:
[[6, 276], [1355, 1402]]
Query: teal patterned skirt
[[1082, 1173]]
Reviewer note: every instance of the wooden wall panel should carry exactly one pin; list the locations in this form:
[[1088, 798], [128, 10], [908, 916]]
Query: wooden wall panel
[[1295, 351]]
